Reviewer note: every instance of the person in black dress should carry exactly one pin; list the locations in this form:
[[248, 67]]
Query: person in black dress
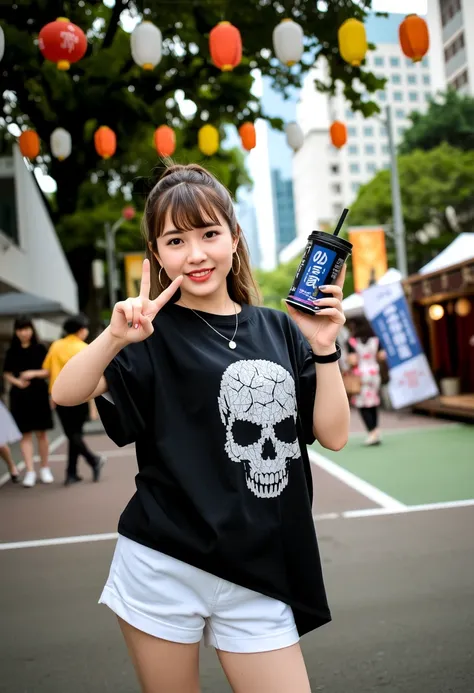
[[29, 399]]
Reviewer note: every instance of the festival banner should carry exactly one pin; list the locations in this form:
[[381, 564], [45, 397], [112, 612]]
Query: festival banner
[[133, 272], [411, 380], [369, 255]]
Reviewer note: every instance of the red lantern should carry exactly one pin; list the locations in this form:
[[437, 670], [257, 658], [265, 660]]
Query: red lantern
[[338, 132], [248, 136], [62, 42], [128, 212], [165, 140], [105, 142], [225, 45], [414, 37], [29, 144]]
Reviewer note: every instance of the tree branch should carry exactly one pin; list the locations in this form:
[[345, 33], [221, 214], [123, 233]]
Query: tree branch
[[119, 7]]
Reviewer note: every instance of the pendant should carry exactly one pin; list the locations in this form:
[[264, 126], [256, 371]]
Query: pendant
[[232, 344]]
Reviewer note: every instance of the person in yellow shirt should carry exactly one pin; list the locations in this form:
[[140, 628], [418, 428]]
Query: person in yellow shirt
[[72, 418]]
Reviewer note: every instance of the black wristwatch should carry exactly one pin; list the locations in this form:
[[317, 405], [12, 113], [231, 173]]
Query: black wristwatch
[[330, 358]]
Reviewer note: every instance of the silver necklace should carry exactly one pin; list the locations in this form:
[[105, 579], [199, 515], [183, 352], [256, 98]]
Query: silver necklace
[[232, 343]]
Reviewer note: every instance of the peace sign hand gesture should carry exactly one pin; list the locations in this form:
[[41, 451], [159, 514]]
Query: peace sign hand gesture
[[132, 319]]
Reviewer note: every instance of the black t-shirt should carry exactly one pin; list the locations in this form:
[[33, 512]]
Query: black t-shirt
[[224, 479]]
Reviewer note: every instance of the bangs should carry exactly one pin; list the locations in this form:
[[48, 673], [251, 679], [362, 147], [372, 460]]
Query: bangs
[[21, 323], [190, 207]]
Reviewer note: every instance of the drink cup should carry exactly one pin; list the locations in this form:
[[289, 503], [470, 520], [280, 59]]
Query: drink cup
[[322, 261]]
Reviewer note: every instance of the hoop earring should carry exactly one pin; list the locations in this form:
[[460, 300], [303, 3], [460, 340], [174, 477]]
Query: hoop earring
[[238, 271], [159, 278]]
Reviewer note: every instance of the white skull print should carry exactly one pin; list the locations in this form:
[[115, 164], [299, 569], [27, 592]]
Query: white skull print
[[257, 404]]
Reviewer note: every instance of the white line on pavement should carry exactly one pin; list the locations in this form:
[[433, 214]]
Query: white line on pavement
[[84, 539], [355, 482], [21, 465], [379, 512]]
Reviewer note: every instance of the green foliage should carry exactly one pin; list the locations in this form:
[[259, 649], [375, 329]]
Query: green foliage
[[429, 181], [449, 119]]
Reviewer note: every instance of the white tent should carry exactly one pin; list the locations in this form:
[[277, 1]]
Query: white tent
[[353, 305], [462, 248]]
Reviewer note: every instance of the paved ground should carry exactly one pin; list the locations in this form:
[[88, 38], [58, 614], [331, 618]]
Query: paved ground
[[400, 582]]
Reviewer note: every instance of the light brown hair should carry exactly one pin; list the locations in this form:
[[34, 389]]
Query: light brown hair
[[192, 195]]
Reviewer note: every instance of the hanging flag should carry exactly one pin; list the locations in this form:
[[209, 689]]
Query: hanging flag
[[369, 255], [387, 310]]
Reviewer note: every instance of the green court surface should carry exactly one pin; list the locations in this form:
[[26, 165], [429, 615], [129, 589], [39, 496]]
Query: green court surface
[[430, 465]]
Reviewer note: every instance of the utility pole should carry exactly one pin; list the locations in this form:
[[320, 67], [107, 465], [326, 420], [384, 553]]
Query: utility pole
[[397, 213]]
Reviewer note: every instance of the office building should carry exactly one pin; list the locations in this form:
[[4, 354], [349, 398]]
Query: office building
[[451, 25]]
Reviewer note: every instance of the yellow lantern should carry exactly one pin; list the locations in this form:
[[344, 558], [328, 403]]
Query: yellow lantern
[[208, 140], [352, 41]]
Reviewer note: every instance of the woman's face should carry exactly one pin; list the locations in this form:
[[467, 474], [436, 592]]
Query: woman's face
[[24, 334], [203, 255]]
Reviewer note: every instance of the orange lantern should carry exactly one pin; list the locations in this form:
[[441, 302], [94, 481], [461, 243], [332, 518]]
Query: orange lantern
[[62, 42], [248, 136], [165, 140], [29, 144], [338, 132], [225, 46], [105, 142], [414, 37]]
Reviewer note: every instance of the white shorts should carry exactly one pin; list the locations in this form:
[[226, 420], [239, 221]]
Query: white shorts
[[172, 600]]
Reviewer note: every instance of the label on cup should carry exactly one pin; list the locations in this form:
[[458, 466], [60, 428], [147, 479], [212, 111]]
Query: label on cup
[[316, 272]]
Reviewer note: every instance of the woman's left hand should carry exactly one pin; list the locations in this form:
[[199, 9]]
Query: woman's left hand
[[321, 329]]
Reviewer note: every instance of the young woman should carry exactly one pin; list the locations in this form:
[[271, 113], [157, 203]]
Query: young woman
[[29, 399], [76, 331], [365, 357], [220, 398], [9, 434]]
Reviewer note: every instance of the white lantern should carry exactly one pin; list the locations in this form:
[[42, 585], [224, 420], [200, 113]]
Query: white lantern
[[145, 44], [294, 136], [60, 143], [288, 42], [2, 43]]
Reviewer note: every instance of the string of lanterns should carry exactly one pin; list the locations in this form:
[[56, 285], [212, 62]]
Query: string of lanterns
[[64, 43]]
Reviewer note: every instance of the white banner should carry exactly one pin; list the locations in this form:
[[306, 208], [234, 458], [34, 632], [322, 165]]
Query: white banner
[[411, 380]]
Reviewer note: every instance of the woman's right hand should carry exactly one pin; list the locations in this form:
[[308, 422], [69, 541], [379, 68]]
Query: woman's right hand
[[21, 383], [132, 319]]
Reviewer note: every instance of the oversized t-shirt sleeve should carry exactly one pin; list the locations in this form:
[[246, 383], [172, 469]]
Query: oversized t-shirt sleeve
[[127, 404], [306, 385]]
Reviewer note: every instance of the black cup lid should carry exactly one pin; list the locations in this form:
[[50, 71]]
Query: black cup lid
[[330, 240]]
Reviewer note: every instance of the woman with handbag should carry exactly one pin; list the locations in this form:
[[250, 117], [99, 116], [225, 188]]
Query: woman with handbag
[[365, 357]]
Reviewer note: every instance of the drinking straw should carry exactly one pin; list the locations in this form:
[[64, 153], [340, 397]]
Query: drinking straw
[[344, 214]]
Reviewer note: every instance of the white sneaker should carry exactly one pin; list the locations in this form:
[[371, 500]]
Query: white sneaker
[[46, 475], [29, 479]]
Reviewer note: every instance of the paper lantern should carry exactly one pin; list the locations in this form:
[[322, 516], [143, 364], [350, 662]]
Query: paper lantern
[[436, 311], [29, 144], [145, 44], [462, 307], [165, 140], [338, 133], [294, 136], [414, 37], [248, 136], [288, 42], [62, 42], [208, 140], [352, 41], [105, 142], [60, 143], [128, 212], [2, 43], [225, 46]]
